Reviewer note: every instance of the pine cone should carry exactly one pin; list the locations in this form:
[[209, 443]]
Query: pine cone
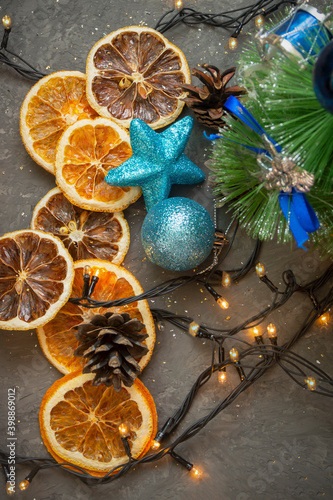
[[207, 102], [111, 344]]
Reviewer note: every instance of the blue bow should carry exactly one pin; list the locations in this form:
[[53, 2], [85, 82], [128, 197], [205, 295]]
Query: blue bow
[[297, 210], [299, 214]]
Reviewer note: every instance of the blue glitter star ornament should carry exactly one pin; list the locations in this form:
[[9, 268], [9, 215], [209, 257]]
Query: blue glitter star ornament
[[157, 162]]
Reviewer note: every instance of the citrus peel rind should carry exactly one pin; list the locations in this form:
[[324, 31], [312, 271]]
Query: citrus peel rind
[[36, 275], [57, 338], [85, 153], [85, 234], [135, 72], [80, 422], [51, 105]]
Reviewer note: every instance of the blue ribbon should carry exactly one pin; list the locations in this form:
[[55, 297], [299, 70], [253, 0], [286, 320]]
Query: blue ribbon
[[299, 214], [212, 137], [295, 207], [234, 106]]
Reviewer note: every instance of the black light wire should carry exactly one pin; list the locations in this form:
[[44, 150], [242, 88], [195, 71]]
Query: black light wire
[[185, 16], [271, 355], [234, 19], [27, 71], [211, 277]]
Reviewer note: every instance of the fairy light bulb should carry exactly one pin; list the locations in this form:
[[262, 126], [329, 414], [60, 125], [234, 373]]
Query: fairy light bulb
[[233, 43], [222, 303], [123, 430], [178, 4], [96, 271], [226, 279], [271, 329], [222, 377], [193, 329], [155, 445], [6, 22], [260, 270], [233, 353], [259, 21], [255, 331], [217, 297], [196, 473], [311, 383], [24, 485], [324, 318], [87, 270], [10, 490], [257, 335]]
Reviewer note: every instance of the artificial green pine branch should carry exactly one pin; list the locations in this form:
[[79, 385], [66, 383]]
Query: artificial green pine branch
[[292, 114], [281, 98]]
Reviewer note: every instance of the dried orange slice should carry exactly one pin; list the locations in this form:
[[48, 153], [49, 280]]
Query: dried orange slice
[[80, 422], [57, 338], [86, 152], [54, 103], [85, 234], [136, 72], [36, 275]]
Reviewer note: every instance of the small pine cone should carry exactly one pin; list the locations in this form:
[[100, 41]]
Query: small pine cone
[[111, 345], [207, 102]]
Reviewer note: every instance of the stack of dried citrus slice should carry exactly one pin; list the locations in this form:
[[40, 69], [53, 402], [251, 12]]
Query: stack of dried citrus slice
[[36, 274], [80, 422], [86, 234], [132, 73], [54, 103], [57, 338]]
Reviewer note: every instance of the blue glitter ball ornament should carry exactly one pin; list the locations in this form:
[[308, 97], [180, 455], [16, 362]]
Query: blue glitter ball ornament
[[177, 234], [323, 77]]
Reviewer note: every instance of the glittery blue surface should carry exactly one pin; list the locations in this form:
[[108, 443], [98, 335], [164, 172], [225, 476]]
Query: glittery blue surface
[[158, 161], [177, 234], [323, 78]]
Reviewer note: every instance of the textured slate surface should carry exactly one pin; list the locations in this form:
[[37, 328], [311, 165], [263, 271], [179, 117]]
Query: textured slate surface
[[275, 442]]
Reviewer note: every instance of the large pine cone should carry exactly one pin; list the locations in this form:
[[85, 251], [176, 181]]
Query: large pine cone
[[207, 102], [112, 345]]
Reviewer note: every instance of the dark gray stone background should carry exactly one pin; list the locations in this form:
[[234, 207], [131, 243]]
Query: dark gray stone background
[[275, 442]]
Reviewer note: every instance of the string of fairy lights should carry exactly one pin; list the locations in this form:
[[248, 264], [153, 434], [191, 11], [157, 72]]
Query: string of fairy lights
[[235, 20], [250, 360], [244, 361]]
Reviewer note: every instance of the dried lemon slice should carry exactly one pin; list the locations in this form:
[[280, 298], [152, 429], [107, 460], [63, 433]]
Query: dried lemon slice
[[86, 234], [52, 104], [136, 72], [80, 422], [36, 275], [86, 152], [57, 338]]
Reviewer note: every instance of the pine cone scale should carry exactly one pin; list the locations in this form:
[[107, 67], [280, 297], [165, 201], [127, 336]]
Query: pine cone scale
[[114, 360], [204, 78]]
